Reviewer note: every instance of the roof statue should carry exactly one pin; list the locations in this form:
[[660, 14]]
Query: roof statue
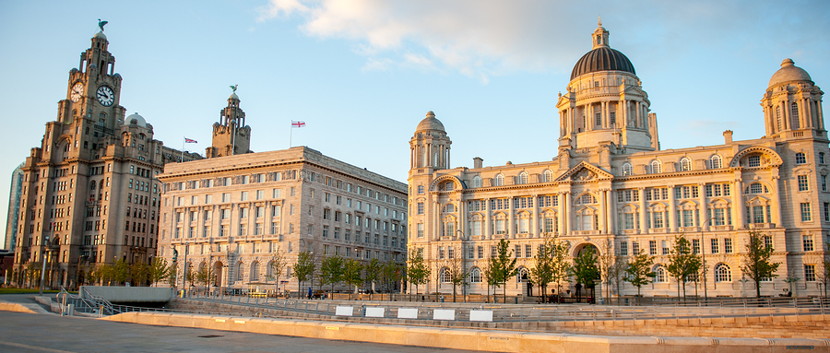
[[101, 24], [234, 87]]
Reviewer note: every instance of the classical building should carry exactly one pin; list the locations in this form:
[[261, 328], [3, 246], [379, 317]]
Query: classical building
[[230, 216], [89, 194], [611, 187], [14, 207]]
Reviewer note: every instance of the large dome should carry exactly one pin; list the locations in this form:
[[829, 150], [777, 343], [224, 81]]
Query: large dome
[[430, 123], [788, 73], [602, 59], [135, 119]]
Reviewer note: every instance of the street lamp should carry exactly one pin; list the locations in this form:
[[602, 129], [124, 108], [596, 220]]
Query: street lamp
[[460, 234], [44, 255]]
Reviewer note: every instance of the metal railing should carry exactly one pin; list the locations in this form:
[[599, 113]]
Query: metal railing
[[88, 303]]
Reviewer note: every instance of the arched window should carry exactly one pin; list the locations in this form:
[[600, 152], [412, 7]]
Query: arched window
[[715, 162], [254, 274], [475, 275], [239, 269], [626, 169], [522, 276], [778, 119], [757, 188], [500, 223], [685, 164], [449, 226], [655, 167], [800, 158], [446, 276], [269, 270], [476, 181], [476, 222], [723, 273], [660, 274], [547, 176], [522, 179], [498, 180]]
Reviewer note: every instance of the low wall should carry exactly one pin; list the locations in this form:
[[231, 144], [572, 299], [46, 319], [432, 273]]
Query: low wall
[[18, 308], [482, 340], [117, 294]]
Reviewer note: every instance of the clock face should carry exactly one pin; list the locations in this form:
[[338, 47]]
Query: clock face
[[77, 92], [105, 96]]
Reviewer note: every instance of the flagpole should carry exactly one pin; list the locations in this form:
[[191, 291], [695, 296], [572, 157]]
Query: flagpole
[[290, 134], [181, 159]]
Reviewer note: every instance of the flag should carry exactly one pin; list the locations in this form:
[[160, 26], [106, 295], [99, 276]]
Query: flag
[[297, 123], [187, 140]]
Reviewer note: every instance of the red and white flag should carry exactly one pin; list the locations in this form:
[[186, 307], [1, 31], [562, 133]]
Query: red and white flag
[[297, 123], [187, 140]]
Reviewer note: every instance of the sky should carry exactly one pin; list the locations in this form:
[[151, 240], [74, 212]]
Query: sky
[[363, 73]]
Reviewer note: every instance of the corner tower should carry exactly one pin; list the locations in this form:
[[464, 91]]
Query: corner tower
[[792, 104], [230, 135], [605, 102], [430, 146]]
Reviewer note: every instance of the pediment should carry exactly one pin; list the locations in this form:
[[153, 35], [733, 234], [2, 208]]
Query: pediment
[[584, 172]]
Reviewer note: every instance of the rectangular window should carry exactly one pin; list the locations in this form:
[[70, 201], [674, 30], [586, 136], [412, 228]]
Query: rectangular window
[[807, 242], [802, 183], [420, 208], [624, 248], [528, 250], [480, 252], [664, 247], [810, 273], [420, 230], [695, 246], [714, 243], [727, 245], [652, 247], [827, 211], [635, 248], [806, 214]]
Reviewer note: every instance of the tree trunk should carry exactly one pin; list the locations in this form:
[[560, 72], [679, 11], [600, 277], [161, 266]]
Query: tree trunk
[[757, 289]]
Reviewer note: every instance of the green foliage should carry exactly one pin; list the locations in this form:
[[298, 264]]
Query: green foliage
[[331, 271], [548, 264], [639, 272], [503, 266], [305, 267], [757, 264], [120, 271], [352, 272], [139, 273], [158, 270], [205, 275], [682, 262], [392, 272], [373, 272], [417, 271], [455, 270], [585, 268]]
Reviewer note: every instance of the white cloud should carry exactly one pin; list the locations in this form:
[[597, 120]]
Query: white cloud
[[485, 38]]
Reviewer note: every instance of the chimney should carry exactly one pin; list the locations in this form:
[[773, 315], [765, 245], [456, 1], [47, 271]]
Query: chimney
[[727, 137], [477, 162]]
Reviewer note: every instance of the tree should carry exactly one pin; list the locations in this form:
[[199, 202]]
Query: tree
[[503, 266], [756, 264], [393, 272], [304, 269], [352, 273], [373, 272], [489, 277], [683, 263], [205, 275], [278, 263], [542, 272], [139, 274], [331, 271], [585, 268], [455, 272], [417, 271], [120, 271], [561, 267], [825, 269], [611, 268], [158, 270], [639, 272]]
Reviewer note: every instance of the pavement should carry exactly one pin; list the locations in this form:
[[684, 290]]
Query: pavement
[[20, 332]]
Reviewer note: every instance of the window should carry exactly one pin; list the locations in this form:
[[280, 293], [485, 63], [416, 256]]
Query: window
[[420, 189], [685, 164], [810, 273], [715, 162], [498, 180], [624, 249], [695, 246], [757, 188], [420, 208], [753, 161], [806, 214], [420, 228], [714, 243], [823, 183], [723, 273], [660, 274], [827, 211], [727, 245], [476, 181], [522, 179], [655, 167], [807, 242], [821, 157], [652, 247], [802, 183], [547, 176], [626, 169], [475, 275], [800, 158]]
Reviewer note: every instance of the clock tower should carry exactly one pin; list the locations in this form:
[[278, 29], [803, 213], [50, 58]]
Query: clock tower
[[89, 194]]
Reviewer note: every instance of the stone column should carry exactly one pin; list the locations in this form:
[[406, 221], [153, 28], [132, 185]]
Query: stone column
[[703, 220], [643, 211], [673, 221], [738, 215]]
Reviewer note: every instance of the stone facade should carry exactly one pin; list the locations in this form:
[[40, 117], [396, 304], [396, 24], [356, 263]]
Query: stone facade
[[236, 213], [89, 194], [612, 187]]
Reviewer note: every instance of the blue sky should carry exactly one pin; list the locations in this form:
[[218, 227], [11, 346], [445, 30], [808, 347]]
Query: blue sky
[[363, 73]]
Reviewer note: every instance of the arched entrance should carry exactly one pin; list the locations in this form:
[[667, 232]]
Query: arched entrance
[[217, 270], [586, 270]]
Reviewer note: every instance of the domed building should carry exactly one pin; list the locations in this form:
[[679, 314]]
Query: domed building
[[611, 189]]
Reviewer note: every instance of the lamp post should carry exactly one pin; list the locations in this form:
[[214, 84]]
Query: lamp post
[[44, 256], [460, 234]]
